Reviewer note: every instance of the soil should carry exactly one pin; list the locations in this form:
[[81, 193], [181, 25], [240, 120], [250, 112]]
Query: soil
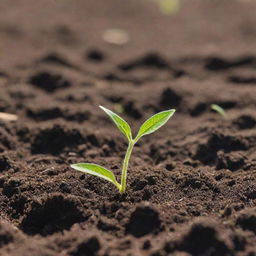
[[191, 185]]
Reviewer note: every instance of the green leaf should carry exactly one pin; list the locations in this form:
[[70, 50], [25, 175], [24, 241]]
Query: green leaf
[[121, 124], [96, 170], [219, 110], [154, 123], [169, 7]]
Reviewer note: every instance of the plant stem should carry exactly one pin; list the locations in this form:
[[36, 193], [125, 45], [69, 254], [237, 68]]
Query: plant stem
[[125, 166]]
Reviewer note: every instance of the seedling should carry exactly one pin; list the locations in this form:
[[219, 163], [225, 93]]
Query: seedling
[[219, 110], [149, 126], [119, 108], [169, 7]]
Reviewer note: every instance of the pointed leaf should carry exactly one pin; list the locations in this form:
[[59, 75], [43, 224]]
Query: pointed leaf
[[154, 123], [96, 170], [121, 124]]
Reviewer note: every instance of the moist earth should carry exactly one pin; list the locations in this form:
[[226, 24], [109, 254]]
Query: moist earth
[[191, 185]]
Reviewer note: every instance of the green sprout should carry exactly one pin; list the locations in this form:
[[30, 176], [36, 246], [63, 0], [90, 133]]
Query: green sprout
[[169, 7], [119, 108], [219, 110], [149, 126]]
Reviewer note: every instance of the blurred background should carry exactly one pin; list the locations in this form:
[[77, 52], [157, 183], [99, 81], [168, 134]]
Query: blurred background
[[122, 29]]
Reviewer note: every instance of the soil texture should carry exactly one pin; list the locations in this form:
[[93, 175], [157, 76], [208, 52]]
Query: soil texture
[[191, 185]]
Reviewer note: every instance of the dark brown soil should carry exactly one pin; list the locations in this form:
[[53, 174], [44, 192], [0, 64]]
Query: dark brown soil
[[191, 185]]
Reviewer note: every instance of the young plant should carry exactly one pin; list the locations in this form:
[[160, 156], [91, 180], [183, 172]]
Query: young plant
[[219, 110], [149, 126], [169, 7]]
